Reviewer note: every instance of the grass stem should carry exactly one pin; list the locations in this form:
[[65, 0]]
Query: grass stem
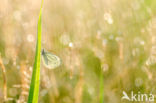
[[4, 79]]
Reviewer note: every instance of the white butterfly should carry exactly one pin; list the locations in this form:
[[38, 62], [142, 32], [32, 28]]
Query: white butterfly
[[50, 60]]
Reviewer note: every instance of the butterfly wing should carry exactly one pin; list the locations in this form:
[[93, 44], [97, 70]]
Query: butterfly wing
[[50, 60]]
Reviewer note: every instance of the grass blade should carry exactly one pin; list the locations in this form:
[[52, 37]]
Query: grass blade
[[35, 81], [101, 88]]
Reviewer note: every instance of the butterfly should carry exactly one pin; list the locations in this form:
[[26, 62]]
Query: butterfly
[[50, 60]]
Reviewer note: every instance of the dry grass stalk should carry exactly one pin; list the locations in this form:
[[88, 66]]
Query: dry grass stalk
[[79, 88], [121, 50], [54, 82], [4, 79], [149, 74], [25, 81]]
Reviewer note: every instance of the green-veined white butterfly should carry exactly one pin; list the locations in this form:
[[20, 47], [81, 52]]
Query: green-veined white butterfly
[[50, 60]]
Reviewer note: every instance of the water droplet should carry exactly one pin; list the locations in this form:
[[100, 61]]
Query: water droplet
[[30, 38], [30, 68], [70, 44], [142, 42]]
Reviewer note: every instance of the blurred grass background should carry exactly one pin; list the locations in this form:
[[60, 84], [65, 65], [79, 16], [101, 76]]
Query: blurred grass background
[[106, 46]]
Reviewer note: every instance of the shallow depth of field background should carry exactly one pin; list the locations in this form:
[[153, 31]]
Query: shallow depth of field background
[[108, 44]]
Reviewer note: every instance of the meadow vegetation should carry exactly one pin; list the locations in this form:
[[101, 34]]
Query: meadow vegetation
[[106, 47]]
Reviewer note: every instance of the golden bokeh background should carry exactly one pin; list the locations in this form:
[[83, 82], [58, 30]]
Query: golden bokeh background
[[106, 47]]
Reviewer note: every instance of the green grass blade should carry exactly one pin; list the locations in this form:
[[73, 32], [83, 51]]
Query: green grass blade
[[35, 81], [101, 88]]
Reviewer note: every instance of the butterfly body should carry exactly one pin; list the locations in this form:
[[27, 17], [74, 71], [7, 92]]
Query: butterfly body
[[50, 60]]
